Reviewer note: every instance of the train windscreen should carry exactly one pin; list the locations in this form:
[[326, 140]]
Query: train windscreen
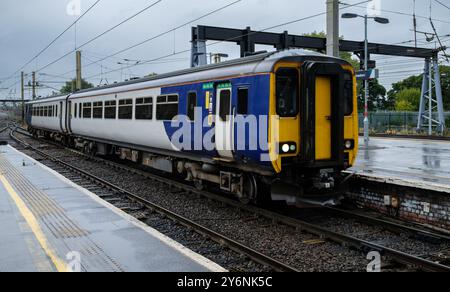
[[287, 92]]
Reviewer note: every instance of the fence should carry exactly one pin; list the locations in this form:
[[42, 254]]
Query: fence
[[395, 122]]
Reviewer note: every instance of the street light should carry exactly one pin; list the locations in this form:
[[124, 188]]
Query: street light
[[366, 67], [349, 15]]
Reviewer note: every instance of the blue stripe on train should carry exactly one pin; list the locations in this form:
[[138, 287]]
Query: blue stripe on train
[[258, 105]]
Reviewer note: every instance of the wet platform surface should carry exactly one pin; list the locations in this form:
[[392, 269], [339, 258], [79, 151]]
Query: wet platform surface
[[47, 223], [421, 163]]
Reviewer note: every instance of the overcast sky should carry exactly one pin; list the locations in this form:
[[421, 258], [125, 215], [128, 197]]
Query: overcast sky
[[26, 27]]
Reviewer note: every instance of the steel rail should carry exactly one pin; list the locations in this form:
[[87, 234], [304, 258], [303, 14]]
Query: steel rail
[[221, 239], [389, 224], [340, 238]]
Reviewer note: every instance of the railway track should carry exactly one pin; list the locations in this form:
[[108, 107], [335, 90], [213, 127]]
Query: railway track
[[298, 225], [422, 232], [221, 239]]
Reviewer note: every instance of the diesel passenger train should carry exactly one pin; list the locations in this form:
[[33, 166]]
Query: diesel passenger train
[[283, 121]]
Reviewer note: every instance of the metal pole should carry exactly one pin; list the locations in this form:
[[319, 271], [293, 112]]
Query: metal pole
[[438, 90], [422, 109], [33, 85], [78, 80], [366, 84], [333, 28], [430, 100], [22, 95]]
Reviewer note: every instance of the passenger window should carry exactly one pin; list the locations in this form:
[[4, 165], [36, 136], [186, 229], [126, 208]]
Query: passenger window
[[80, 110], [144, 108], [167, 107], [348, 94], [50, 108], [125, 109], [225, 105], [45, 111], [98, 110], [75, 111], [242, 107], [110, 110], [191, 104], [57, 114], [287, 92], [87, 110]]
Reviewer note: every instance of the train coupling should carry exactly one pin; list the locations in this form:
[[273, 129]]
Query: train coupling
[[294, 195], [325, 180]]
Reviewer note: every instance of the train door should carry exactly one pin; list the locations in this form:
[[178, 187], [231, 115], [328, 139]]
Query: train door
[[60, 116], [224, 122], [323, 118], [323, 114], [69, 117]]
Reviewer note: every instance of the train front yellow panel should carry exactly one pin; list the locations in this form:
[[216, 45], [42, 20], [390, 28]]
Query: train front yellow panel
[[323, 118]]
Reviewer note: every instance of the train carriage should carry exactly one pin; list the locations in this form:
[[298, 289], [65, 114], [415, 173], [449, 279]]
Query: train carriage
[[47, 116], [284, 120]]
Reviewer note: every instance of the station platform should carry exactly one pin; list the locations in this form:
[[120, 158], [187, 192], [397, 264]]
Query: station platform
[[409, 162], [49, 224]]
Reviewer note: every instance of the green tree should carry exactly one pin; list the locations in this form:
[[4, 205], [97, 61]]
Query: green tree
[[404, 106], [416, 83], [377, 97], [408, 100], [70, 86]]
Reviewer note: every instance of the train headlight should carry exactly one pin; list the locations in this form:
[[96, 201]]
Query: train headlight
[[349, 144], [288, 148]]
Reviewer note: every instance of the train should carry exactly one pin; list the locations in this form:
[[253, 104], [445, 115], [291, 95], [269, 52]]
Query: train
[[278, 125]]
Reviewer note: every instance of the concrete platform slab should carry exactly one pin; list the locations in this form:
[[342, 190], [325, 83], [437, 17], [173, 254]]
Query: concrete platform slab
[[48, 223], [418, 163]]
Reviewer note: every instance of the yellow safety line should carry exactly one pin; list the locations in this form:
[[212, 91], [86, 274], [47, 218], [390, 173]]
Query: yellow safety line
[[34, 225]]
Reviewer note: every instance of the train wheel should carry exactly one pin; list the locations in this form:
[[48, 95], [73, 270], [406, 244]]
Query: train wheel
[[199, 185], [250, 190]]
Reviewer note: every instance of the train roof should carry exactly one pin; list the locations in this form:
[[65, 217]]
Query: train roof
[[260, 63], [49, 99]]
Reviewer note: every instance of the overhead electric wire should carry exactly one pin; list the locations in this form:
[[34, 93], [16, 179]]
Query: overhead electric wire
[[100, 35], [439, 2], [53, 75], [163, 33], [233, 38], [58, 37], [399, 71], [11, 86], [405, 14], [439, 39]]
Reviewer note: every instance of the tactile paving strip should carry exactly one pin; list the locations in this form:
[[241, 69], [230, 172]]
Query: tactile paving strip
[[66, 235]]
